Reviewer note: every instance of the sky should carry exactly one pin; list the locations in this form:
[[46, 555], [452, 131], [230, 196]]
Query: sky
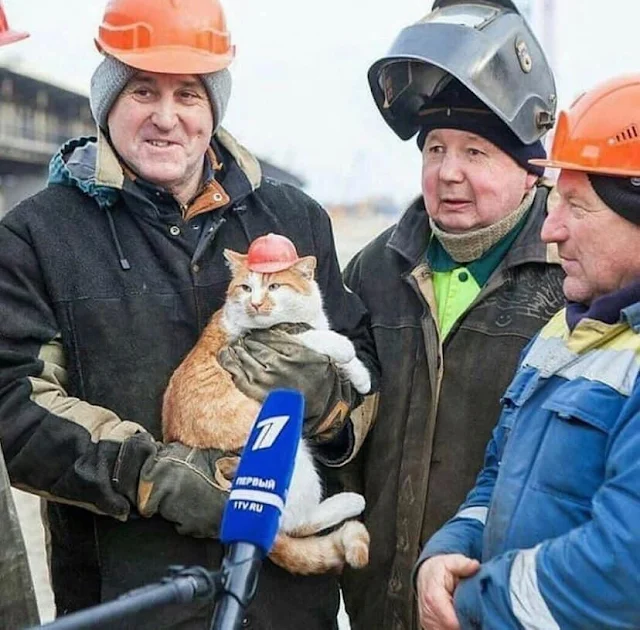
[[300, 95]]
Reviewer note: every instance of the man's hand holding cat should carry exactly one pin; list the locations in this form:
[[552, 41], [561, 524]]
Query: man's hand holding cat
[[263, 360], [176, 482]]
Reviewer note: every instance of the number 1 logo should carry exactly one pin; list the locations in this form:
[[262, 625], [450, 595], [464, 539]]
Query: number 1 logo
[[270, 429]]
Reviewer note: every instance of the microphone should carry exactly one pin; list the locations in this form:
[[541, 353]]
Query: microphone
[[252, 515]]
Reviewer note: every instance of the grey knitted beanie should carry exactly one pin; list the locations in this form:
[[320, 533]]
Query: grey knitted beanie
[[111, 76]]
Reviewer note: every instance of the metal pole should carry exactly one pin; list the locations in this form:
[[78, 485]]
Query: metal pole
[[184, 586]]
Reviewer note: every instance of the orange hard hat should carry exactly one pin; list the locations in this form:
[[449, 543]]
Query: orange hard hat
[[168, 36], [600, 132], [7, 36], [271, 253]]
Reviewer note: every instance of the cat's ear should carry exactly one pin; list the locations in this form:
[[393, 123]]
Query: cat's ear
[[306, 266], [235, 260]]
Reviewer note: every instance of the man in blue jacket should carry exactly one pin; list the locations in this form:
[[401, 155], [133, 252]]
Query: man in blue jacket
[[549, 536]]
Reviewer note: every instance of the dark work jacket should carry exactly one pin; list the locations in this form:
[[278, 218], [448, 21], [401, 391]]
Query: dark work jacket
[[105, 288], [439, 400]]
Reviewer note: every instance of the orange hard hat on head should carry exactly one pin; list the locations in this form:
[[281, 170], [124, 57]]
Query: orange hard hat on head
[[168, 36], [600, 132], [271, 253], [7, 36]]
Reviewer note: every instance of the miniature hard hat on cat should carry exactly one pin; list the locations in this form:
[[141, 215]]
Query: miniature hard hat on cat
[[271, 253]]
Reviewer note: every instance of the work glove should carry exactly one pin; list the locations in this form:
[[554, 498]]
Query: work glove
[[266, 359], [184, 485]]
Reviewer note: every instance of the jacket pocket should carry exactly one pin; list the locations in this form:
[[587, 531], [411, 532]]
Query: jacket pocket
[[574, 449], [519, 390]]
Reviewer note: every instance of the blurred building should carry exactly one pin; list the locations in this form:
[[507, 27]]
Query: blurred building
[[365, 208], [36, 117]]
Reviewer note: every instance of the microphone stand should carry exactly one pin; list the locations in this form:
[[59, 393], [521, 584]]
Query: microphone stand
[[232, 588], [239, 580], [184, 585]]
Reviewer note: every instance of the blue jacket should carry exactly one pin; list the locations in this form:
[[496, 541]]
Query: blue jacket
[[555, 513]]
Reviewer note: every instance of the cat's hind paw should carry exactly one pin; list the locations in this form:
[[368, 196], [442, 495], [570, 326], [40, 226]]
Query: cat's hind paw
[[355, 542]]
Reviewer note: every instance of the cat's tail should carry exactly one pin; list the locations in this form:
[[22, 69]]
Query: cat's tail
[[323, 553]]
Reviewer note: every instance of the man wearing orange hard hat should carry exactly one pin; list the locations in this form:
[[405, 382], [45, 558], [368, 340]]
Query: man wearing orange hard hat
[[559, 495], [18, 607], [108, 276]]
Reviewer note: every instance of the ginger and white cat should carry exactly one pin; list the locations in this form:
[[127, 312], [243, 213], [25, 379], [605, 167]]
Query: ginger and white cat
[[201, 393]]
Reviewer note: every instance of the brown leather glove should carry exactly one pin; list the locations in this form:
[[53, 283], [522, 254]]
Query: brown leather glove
[[263, 360], [184, 485]]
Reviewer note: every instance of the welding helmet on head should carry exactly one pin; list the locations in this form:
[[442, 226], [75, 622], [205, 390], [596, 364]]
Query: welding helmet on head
[[488, 47]]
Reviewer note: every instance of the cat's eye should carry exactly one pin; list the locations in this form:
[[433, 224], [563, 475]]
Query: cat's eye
[[274, 286], [246, 288]]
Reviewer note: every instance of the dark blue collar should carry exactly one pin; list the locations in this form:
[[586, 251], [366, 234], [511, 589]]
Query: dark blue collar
[[610, 308]]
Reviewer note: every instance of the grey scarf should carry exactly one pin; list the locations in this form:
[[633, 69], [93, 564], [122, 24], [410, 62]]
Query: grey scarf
[[470, 246]]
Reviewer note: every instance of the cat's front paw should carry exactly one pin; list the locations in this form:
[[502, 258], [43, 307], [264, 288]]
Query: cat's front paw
[[358, 374], [336, 346]]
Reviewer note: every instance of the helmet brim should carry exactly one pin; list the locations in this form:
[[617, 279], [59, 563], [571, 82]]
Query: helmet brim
[[171, 59], [572, 166]]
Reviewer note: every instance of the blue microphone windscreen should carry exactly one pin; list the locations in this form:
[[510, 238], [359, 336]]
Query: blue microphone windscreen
[[259, 489]]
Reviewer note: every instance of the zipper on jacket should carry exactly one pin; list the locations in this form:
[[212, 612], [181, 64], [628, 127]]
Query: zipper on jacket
[[208, 235]]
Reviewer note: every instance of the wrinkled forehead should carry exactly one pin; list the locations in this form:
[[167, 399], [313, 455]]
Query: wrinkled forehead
[[575, 185], [172, 81]]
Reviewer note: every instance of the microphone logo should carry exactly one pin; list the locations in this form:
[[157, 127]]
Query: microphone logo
[[260, 486], [269, 430]]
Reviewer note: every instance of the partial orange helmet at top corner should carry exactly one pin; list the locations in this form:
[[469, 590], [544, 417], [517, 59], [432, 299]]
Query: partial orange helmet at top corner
[[169, 36], [8, 36], [600, 132]]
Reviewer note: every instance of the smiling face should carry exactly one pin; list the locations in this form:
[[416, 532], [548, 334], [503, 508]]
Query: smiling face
[[161, 126], [599, 249], [469, 183]]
